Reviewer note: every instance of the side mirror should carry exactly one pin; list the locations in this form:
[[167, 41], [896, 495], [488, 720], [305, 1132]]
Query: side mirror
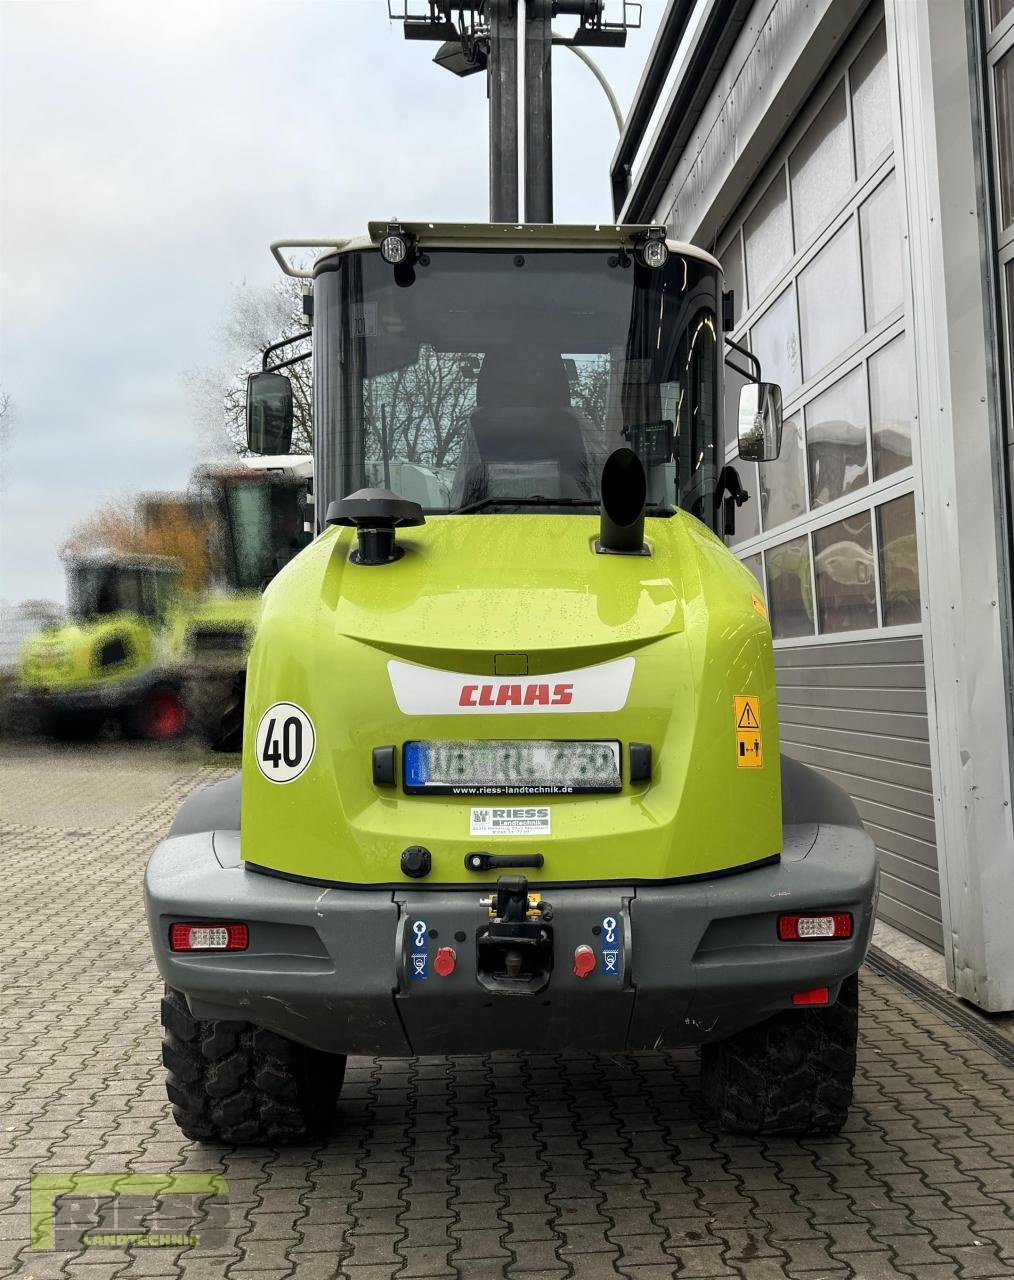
[[268, 413], [760, 421]]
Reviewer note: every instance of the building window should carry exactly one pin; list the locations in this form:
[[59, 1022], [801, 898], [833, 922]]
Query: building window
[[999, 9], [836, 440], [1005, 134], [843, 566], [871, 103], [820, 168], [768, 236], [774, 340], [823, 311], [783, 482], [790, 589], [732, 269], [880, 234], [899, 561], [892, 396], [999, 57], [831, 301], [756, 567], [1010, 323]]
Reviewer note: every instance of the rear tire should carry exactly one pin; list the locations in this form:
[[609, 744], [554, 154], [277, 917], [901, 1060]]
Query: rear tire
[[207, 703], [790, 1075], [232, 1082]]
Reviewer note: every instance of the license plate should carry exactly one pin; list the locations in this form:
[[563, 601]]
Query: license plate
[[498, 768]]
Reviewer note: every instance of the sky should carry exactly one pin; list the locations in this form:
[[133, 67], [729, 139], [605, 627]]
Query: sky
[[148, 154]]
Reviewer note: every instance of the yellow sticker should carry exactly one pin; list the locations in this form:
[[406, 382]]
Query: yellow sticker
[[760, 607], [749, 738]]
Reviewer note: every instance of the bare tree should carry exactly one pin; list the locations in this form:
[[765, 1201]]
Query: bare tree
[[417, 413], [257, 318], [166, 525], [6, 417], [589, 392]]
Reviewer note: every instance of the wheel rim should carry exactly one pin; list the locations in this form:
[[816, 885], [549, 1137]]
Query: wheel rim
[[164, 715]]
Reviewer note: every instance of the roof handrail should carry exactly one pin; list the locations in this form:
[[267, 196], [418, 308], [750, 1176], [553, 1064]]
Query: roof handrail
[[296, 272]]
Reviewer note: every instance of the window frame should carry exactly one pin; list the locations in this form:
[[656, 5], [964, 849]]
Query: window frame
[[893, 325], [999, 43]]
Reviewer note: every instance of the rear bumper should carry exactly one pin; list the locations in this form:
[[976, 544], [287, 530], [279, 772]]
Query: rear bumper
[[333, 968], [115, 695]]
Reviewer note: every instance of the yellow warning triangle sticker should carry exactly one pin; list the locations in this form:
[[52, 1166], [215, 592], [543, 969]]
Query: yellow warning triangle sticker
[[748, 719]]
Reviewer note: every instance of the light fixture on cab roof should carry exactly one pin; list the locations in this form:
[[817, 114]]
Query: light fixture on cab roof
[[653, 250], [396, 244]]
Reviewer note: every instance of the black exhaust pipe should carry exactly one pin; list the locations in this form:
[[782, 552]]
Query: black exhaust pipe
[[624, 489]]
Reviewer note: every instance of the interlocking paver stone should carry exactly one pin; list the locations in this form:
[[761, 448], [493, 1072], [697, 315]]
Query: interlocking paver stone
[[561, 1166]]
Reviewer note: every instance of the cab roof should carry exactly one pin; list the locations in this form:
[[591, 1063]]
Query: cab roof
[[485, 235], [122, 560]]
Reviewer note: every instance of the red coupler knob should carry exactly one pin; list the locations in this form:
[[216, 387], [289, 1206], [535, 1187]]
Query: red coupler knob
[[445, 961], [584, 961]]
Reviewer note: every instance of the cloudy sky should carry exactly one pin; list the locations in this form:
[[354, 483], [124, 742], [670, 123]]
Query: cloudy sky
[[148, 154]]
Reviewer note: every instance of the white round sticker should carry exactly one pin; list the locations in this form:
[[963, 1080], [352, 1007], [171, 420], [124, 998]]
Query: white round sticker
[[285, 742]]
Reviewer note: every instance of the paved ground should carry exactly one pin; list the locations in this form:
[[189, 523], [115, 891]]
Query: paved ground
[[530, 1167]]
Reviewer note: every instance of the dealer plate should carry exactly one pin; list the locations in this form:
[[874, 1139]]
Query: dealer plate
[[503, 767]]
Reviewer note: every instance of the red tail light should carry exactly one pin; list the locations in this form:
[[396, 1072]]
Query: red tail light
[[818, 995], [213, 936], [815, 925]]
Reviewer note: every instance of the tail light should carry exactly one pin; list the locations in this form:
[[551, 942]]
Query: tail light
[[815, 925], [214, 936], [816, 995]]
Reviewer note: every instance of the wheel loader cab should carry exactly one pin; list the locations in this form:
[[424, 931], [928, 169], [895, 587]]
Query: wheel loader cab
[[511, 768], [505, 374], [262, 522], [104, 669], [99, 586], [257, 510]]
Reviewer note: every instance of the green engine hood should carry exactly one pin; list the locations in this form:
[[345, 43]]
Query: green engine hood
[[69, 656], [511, 627]]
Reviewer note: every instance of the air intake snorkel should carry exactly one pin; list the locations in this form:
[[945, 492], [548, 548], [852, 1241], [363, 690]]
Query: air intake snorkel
[[624, 489], [375, 514]]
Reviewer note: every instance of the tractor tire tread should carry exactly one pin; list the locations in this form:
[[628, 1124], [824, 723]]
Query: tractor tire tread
[[231, 1082], [789, 1075]]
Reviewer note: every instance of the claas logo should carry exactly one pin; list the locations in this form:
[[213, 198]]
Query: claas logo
[[516, 695]]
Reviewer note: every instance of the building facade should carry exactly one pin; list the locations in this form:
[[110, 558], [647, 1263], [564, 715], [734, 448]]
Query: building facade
[[851, 164]]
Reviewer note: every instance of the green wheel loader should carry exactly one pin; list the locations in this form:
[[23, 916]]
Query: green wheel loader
[[511, 774], [105, 668], [257, 508]]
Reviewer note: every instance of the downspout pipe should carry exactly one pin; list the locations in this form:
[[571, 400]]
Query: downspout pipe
[[713, 42], [667, 41]]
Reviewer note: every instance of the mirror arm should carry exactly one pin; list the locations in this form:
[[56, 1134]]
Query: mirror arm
[[284, 364], [277, 346], [754, 362]]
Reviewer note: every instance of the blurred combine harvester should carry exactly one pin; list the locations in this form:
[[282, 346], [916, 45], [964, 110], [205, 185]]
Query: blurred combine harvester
[[103, 670], [258, 509]]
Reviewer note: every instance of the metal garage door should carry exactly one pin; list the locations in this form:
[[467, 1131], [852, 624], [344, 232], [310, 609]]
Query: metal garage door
[[815, 256]]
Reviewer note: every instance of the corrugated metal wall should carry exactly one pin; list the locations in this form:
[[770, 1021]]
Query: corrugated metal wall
[[858, 713]]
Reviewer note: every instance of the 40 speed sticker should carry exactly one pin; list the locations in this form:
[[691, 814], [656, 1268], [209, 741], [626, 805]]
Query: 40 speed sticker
[[285, 742]]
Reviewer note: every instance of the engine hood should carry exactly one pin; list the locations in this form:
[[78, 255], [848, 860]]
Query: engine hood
[[70, 654], [469, 583], [493, 628]]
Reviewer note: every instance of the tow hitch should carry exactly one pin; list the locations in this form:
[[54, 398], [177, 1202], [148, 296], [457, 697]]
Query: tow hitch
[[514, 951]]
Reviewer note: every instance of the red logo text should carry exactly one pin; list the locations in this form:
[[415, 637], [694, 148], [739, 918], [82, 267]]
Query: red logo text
[[516, 695]]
